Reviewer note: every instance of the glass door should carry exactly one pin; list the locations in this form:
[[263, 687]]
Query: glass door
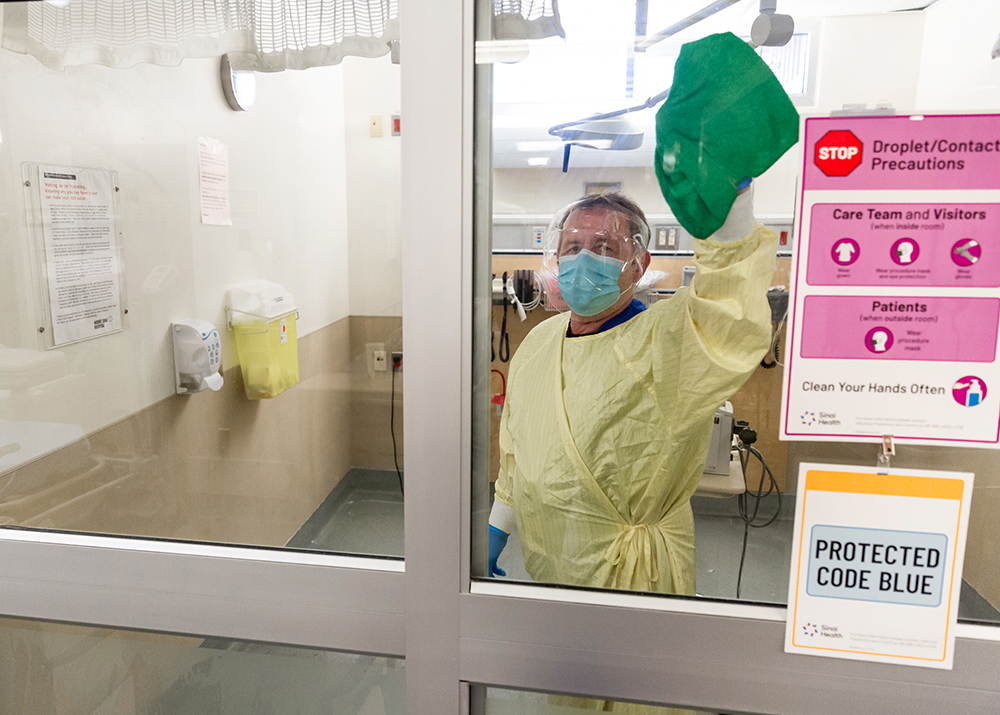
[[602, 564]]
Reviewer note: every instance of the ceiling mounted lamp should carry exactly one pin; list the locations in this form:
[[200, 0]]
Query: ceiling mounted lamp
[[615, 134], [771, 29], [604, 131]]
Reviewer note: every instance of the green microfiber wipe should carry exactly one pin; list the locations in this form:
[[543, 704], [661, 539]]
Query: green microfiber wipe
[[726, 118]]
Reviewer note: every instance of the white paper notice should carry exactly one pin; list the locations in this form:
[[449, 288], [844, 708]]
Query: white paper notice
[[213, 178], [877, 564], [81, 252]]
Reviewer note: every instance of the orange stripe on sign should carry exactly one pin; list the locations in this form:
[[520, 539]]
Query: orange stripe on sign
[[894, 485]]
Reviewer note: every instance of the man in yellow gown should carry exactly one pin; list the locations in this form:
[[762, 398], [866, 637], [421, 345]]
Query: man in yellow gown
[[609, 407], [608, 417]]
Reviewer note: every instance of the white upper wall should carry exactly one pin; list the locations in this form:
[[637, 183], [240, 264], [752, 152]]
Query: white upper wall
[[956, 71], [374, 199], [289, 200]]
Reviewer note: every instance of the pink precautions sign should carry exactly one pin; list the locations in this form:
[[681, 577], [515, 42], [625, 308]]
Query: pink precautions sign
[[895, 311], [905, 244], [892, 328]]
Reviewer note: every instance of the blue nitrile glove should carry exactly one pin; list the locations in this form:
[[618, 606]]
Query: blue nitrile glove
[[498, 540]]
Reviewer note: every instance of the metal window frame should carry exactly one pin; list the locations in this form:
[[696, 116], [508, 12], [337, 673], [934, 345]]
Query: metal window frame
[[454, 631], [720, 663], [312, 600]]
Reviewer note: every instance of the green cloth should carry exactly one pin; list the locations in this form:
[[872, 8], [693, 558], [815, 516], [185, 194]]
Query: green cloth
[[727, 118]]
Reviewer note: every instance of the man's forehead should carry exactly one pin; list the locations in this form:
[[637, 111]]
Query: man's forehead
[[597, 219]]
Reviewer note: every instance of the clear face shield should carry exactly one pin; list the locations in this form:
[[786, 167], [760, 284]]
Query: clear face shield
[[592, 256]]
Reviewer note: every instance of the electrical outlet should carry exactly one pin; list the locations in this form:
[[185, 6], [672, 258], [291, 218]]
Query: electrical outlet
[[397, 360], [380, 364], [370, 349]]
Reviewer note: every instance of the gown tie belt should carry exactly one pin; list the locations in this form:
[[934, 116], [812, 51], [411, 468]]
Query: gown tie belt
[[632, 551]]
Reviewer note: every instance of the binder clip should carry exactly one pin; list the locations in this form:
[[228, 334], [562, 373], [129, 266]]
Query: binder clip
[[887, 451]]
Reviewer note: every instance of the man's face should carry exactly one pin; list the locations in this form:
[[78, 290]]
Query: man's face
[[606, 233]]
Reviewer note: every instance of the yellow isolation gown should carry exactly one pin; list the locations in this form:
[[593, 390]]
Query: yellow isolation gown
[[604, 437]]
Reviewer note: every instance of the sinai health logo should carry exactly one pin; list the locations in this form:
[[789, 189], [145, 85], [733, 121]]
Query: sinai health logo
[[810, 419], [838, 153], [814, 630]]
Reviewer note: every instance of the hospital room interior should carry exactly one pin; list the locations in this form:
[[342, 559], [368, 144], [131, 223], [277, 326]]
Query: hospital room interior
[[248, 387]]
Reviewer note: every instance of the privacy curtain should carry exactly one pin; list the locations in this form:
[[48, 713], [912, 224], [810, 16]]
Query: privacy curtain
[[526, 19], [265, 35]]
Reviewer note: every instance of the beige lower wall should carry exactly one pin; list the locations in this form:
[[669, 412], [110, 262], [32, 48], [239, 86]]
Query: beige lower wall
[[371, 439], [217, 466]]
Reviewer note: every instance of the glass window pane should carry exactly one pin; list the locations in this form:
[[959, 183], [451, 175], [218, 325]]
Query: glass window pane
[[48, 669], [610, 427], [286, 211]]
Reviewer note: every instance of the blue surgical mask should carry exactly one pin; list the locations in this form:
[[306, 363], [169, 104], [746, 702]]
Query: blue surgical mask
[[589, 283]]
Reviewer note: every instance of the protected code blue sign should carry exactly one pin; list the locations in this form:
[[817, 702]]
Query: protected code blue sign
[[905, 567]]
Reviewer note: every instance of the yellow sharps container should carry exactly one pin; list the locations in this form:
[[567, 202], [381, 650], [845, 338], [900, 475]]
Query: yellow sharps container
[[263, 318]]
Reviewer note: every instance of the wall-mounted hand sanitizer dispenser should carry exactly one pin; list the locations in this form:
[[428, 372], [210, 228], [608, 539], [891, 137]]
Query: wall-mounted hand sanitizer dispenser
[[197, 356]]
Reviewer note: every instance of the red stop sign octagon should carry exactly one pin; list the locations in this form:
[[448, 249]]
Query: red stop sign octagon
[[838, 153]]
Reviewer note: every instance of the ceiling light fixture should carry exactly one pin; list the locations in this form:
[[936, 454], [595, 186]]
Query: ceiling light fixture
[[771, 29]]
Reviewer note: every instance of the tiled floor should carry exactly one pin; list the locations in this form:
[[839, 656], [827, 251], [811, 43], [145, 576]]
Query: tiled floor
[[364, 515]]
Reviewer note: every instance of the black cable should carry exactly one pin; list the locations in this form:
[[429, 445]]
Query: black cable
[[777, 354], [392, 427], [504, 336], [743, 555], [750, 519]]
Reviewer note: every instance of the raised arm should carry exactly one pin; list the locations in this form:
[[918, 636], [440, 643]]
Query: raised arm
[[723, 318]]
